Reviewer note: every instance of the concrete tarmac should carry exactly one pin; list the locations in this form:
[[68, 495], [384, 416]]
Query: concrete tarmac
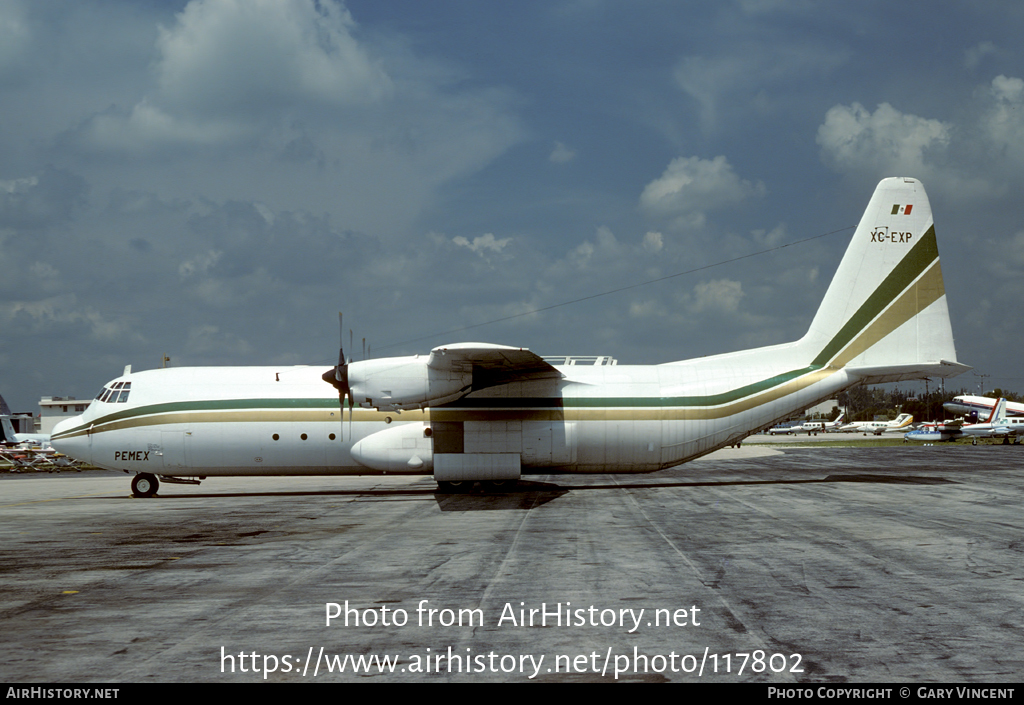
[[769, 564]]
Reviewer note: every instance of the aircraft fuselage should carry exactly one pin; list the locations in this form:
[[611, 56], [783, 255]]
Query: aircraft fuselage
[[287, 421]]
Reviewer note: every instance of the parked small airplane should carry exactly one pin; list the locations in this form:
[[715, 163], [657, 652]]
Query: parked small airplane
[[483, 412], [817, 427], [998, 425], [929, 432], [902, 422], [837, 425]]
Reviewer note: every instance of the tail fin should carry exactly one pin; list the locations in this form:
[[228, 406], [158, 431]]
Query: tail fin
[[7, 431], [884, 317], [998, 412], [904, 420]]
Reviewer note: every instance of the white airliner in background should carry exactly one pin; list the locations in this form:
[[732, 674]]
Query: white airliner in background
[[980, 407], [491, 413]]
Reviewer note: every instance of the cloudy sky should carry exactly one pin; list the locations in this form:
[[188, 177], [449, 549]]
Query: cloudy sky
[[215, 179]]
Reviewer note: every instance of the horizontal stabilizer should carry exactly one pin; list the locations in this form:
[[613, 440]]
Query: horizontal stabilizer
[[881, 374]]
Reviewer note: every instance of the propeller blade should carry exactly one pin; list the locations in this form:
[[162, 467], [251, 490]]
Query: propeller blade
[[338, 378]]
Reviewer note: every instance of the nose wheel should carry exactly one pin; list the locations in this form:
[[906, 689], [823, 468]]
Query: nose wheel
[[144, 485]]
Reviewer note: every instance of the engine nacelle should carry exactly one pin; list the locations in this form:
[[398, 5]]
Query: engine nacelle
[[397, 383], [402, 449]]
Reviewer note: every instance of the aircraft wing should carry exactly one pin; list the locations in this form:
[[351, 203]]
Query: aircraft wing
[[491, 364]]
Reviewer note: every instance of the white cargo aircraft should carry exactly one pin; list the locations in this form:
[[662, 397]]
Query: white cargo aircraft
[[491, 413]]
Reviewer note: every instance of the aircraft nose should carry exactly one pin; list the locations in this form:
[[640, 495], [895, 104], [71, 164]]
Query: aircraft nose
[[71, 438]]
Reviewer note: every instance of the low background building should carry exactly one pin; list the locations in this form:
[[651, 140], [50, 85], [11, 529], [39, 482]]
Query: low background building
[[52, 410]]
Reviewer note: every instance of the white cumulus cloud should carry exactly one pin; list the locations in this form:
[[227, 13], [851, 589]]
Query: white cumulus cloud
[[226, 67], [653, 241], [717, 295], [886, 141], [1003, 122], [691, 186], [228, 55], [483, 244], [980, 152]]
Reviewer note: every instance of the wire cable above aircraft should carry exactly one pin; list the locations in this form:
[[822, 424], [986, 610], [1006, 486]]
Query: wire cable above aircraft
[[614, 291]]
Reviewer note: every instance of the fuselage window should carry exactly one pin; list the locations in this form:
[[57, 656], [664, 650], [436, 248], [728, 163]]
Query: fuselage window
[[303, 436], [276, 437]]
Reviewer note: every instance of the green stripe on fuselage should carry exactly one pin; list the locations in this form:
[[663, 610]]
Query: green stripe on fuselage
[[706, 400], [204, 405]]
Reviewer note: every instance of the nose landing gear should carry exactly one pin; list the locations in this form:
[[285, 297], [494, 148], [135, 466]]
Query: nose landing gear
[[144, 485]]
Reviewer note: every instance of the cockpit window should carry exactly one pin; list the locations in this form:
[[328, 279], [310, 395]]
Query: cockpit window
[[116, 394]]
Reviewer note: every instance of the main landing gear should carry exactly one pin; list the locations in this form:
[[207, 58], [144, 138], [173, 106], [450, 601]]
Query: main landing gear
[[144, 485]]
